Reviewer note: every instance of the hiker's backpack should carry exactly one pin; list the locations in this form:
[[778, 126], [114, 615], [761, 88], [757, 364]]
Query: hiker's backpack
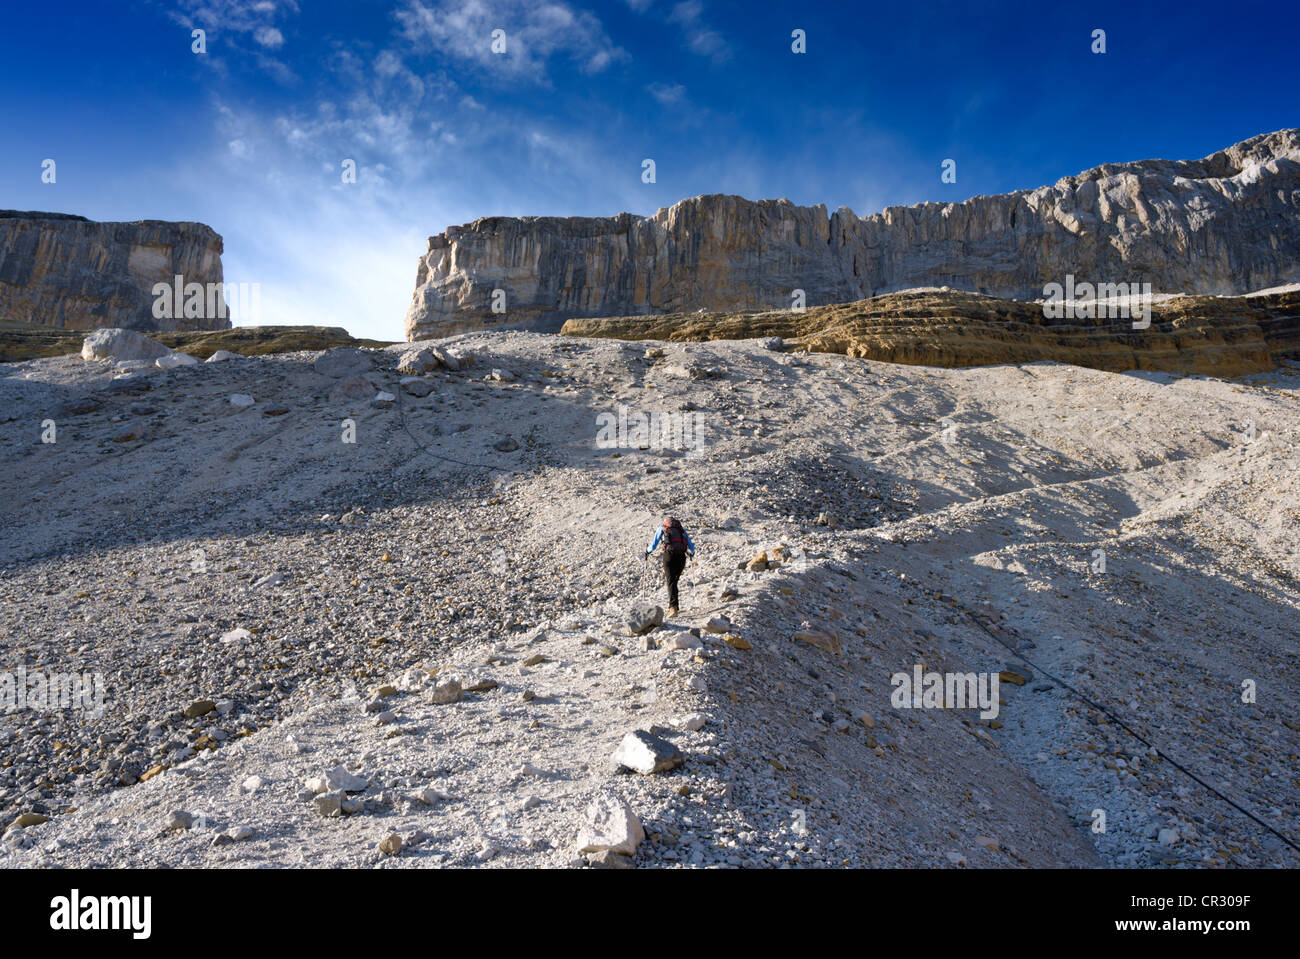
[[674, 537]]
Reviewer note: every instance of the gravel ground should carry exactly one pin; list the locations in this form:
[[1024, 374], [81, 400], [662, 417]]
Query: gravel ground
[[247, 585]]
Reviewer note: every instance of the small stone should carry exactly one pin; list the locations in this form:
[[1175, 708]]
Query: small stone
[[692, 722], [252, 784], [736, 642], [28, 819], [1168, 837], [329, 805], [339, 778], [718, 624], [446, 692], [683, 641], [241, 400], [416, 386], [237, 834], [535, 660], [429, 795], [391, 845], [200, 707], [386, 718], [177, 821], [822, 639]]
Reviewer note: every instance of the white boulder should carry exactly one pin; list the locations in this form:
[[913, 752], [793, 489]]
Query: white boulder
[[611, 826], [119, 344]]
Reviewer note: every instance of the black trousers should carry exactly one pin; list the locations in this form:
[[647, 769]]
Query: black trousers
[[674, 563]]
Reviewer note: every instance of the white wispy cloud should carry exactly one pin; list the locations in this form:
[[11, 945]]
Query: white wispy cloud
[[235, 16], [535, 33], [269, 37], [667, 93], [241, 28], [700, 37]]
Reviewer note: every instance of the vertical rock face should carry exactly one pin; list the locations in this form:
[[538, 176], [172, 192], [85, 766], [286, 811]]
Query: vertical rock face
[[71, 273], [1226, 224]]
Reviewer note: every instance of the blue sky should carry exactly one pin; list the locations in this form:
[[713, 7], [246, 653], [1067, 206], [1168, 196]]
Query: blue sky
[[250, 136]]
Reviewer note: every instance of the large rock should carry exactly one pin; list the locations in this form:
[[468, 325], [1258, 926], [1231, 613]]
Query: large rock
[[417, 362], [122, 345], [68, 272], [643, 617], [644, 753], [173, 360], [611, 826], [1226, 224], [343, 361]]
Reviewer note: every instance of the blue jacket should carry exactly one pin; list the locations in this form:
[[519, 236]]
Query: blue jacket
[[659, 535]]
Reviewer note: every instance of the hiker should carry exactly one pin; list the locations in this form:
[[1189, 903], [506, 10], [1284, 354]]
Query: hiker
[[677, 548]]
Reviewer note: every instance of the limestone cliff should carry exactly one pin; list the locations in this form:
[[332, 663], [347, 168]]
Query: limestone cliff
[[1225, 224], [71, 273]]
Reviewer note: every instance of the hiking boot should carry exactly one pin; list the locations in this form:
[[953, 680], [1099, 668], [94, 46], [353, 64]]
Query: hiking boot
[[672, 610]]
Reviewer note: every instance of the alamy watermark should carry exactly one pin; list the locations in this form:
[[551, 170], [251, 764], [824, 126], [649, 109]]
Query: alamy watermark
[[20, 690], [634, 429], [1089, 301], [922, 690], [206, 301]]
